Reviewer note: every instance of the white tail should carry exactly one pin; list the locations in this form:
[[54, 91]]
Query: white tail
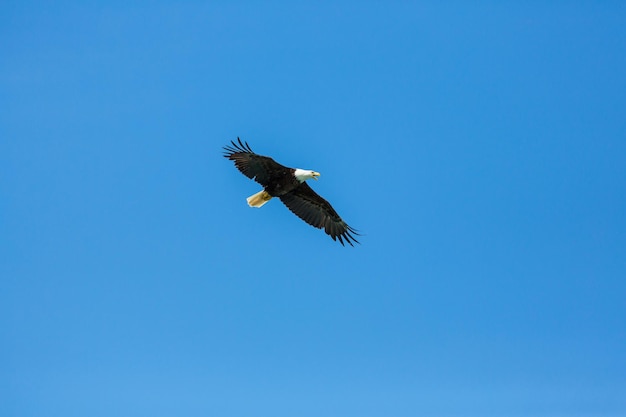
[[258, 199]]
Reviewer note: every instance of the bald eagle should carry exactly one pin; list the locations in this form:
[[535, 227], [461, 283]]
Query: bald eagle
[[288, 184]]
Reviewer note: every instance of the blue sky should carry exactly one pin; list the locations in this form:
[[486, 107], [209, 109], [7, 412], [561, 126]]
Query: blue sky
[[480, 148]]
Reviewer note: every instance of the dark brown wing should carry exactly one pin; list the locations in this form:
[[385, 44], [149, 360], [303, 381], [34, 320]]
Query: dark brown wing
[[253, 166], [313, 209]]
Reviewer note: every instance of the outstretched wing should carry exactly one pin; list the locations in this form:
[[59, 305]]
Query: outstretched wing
[[313, 209], [253, 166]]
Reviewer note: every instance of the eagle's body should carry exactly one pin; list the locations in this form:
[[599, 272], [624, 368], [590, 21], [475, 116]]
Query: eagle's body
[[289, 185]]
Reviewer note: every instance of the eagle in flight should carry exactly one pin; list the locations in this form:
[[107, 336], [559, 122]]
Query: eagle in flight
[[288, 184]]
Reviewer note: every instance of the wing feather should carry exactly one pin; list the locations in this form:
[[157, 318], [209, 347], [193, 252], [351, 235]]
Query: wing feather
[[253, 166], [313, 209]]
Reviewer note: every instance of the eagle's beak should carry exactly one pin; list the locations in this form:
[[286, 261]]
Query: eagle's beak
[[315, 175]]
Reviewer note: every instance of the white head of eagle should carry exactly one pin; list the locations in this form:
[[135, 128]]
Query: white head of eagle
[[305, 174], [289, 185]]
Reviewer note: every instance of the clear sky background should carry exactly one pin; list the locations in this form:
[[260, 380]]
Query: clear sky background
[[480, 149]]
